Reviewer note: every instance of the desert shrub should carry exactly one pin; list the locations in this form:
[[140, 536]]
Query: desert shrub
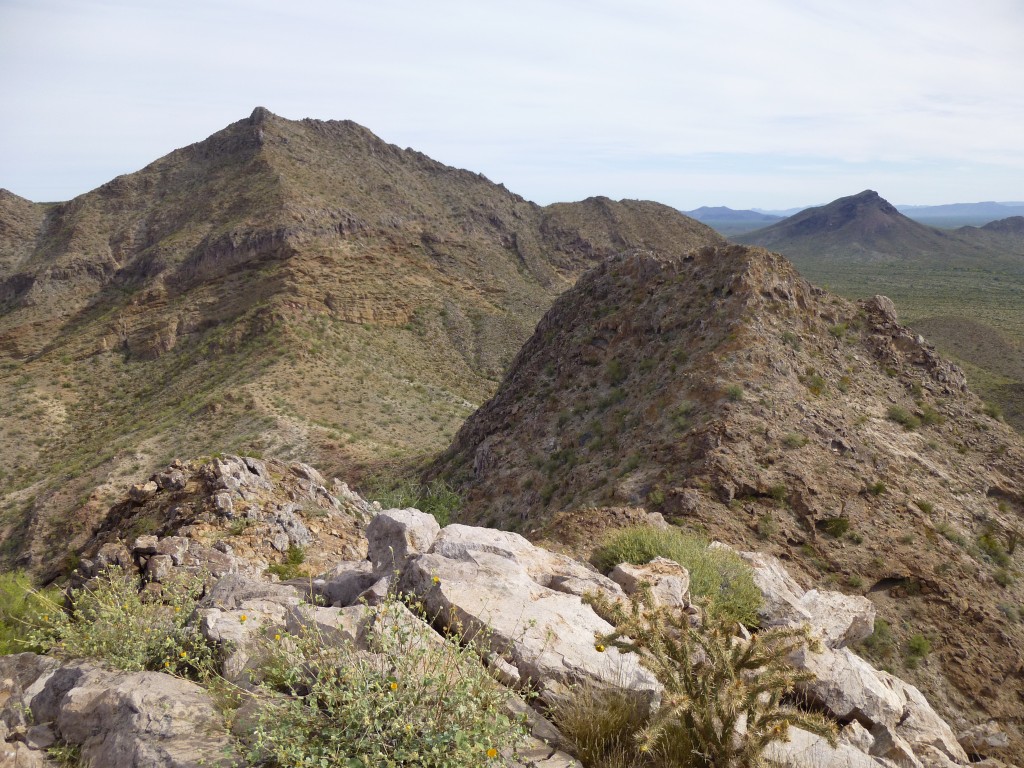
[[291, 566], [1003, 577], [950, 533], [712, 682], [436, 498], [717, 574], [779, 492], [415, 699], [993, 549], [930, 416], [734, 392], [22, 610], [794, 440], [918, 646], [835, 526], [903, 417], [925, 506], [838, 330], [111, 621], [880, 643], [877, 488], [767, 526], [602, 724], [993, 411]]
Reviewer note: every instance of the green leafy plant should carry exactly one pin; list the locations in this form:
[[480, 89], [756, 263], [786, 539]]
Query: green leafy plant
[[409, 698], [22, 609], [794, 440], [712, 682], [716, 573], [918, 647], [112, 622], [291, 566]]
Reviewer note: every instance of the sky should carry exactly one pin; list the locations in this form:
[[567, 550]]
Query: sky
[[745, 103]]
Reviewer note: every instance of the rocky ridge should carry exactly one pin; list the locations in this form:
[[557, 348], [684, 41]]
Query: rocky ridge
[[722, 390], [290, 287], [543, 635]]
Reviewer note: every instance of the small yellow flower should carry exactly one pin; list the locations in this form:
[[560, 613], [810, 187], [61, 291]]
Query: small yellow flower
[[394, 686], [177, 609], [46, 618], [277, 637], [242, 618], [492, 753], [437, 579], [167, 663], [599, 648], [183, 654]]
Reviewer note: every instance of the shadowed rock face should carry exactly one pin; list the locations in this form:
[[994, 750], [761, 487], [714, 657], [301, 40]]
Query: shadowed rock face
[[722, 390]]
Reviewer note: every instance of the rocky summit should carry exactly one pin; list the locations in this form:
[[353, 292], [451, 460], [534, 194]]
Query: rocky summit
[[295, 288], [542, 632], [722, 390]]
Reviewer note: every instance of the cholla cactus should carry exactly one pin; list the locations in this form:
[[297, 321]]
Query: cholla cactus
[[723, 698]]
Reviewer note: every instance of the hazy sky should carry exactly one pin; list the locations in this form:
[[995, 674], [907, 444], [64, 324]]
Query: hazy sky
[[743, 103]]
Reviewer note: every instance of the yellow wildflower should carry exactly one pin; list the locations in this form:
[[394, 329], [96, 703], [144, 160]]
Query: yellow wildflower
[[599, 648], [492, 753]]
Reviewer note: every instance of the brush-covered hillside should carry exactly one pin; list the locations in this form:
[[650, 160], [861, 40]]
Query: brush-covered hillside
[[959, 287], [723, 390], [282, 287]]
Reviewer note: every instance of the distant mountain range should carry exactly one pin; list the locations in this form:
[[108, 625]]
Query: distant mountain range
[[730, 221]]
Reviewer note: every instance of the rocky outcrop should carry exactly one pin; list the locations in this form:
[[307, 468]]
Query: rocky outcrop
[[527, 608], [115, 718]]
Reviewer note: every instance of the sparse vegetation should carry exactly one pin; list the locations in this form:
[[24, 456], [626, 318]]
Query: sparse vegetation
[[734, 392], [436, 498], [415, 700], [291, 566], [918, 647], [716, 574], [903, 417], [880, 644], [23, 609], [696, 724], [835, 526], [794, 440]]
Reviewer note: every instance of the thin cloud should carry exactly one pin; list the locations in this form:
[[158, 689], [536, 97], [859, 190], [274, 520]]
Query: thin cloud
[[556, 99]]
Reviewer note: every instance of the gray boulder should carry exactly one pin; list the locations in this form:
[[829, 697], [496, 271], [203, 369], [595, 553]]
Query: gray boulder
[[395, 535]]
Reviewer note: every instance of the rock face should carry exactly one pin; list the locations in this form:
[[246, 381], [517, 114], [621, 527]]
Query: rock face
[[116, 718], [725, 392]]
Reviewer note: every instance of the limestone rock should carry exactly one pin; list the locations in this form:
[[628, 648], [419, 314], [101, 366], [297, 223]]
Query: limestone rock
[[396, 534], [984, 739], [839, 619], [781, 592], [847, 687], [142, 492], [546, 635], [669, 581], [343, 585], [135, 719], [806, 750]]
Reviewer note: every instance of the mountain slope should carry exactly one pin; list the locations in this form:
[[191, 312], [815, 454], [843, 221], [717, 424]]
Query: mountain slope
[[723, 390], [294, 287]]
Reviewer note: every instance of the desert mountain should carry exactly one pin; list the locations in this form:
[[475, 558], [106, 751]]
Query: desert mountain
[[960, 287], [861, 227], [723, 390], [290, 287]]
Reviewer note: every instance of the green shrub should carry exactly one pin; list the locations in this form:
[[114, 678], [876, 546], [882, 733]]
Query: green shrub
[[712, 682], [414, 700], [1003, 577], [436, 498], [931, 417], [112, 622], [291, 567], [993, 549], [794, 440], [950, 534], [717, 574], [835, 526], [880, 643], [22, 610], [925, 506], [734, 392], [903, 417], [876, 488], [838, 330], [918, 646]]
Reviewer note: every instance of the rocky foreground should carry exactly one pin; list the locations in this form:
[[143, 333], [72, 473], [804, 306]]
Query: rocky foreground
[[541, 630]]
